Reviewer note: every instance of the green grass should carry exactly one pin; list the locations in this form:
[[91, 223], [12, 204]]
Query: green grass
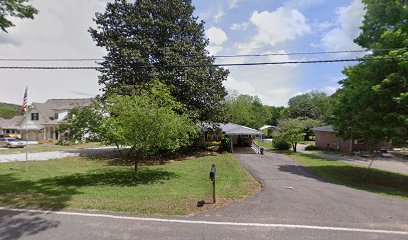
[[266, 145], [96, 184], [338, 172], [46, 147]]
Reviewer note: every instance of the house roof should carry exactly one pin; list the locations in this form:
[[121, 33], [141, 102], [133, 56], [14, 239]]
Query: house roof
[[328, 128], [10, 123], [231, 129], [48, 108]]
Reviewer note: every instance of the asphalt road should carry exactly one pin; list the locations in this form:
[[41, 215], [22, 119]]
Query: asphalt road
[[293, 204]]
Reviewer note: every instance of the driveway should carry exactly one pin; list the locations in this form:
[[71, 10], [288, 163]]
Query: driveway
[[293, 204], [291, 194], [42, 156]]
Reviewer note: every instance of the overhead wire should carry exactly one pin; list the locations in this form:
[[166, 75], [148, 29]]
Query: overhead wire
[[215, 56], [207, 65]]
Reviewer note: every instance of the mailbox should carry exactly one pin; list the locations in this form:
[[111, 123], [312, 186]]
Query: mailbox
[[213, 171]]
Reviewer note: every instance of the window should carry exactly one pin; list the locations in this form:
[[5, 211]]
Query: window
[[55, 116], [34, 116]]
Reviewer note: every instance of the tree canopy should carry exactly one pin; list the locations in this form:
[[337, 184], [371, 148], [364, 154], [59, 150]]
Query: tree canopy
[[315, 105], [147, 121], [373, 101], [14, 8], [147, 40]]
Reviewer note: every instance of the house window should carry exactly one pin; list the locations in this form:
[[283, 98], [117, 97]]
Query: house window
[[55, 116], [359, 141], [34, 116]]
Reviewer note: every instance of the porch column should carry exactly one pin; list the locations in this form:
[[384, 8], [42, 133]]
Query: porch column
[[45, 133]]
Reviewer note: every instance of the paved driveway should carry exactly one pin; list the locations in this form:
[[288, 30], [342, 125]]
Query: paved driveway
[[42, 156], [311, 201]]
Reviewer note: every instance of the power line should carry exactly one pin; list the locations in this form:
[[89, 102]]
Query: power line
[[216, 56], [209, 65]]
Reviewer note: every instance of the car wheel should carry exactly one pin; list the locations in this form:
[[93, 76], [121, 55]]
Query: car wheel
[[8, 146]]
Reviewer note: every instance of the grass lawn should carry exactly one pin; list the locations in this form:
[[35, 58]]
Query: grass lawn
[[265, 144], [173, 188], [46, 147], [377, 181]]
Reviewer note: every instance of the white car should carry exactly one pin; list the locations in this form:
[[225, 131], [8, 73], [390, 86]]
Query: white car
[[11, 143]]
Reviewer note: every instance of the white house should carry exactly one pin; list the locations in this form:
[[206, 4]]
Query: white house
[[42, 119]]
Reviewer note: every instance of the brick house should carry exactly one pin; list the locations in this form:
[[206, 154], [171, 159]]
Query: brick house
[[327, 139]]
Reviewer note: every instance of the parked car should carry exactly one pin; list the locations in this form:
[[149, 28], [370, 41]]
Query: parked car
[[11, 142]]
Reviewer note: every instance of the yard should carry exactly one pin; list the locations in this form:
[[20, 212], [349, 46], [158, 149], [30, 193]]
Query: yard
[[173, 188], [47, 147], [338, 172]]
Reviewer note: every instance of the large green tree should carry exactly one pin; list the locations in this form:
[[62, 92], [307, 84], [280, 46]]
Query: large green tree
[[14, 8], [246, 110], [294, 130], [147, 121], [373, 101], [315, 105], [149, 39]]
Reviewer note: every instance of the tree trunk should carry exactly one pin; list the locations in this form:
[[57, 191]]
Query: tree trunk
[[294, 146]]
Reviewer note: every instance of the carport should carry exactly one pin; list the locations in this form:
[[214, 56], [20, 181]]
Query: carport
[[239, 135]]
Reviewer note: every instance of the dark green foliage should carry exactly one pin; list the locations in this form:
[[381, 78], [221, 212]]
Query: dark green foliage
[[280, 144], [311, 148], [225, 144], [373, 102], [14, 8], [145, 40], [249, 111], [8, 110], [314, 105]]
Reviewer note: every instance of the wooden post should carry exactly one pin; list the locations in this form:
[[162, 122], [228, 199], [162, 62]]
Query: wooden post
[[213, 183], [232, 145]]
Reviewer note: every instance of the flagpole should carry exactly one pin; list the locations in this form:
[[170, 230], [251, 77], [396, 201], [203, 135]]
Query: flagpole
[[26, 146]]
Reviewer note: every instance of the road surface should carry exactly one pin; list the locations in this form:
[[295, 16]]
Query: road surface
[[293, 204]]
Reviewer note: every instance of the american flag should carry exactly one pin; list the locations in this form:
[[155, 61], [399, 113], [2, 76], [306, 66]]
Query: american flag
[[24, 106]]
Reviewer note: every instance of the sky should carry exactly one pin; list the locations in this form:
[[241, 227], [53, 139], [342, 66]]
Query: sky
[[232, 26]]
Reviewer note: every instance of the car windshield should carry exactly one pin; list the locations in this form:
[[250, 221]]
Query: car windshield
[[11, 140]]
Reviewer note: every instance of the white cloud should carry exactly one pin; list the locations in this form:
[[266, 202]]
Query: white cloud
[[239, 26], [348, 28], [217, 38], [274, 28], [232, 4], [281, 57], [220, 14], [216, 35], [58, 31], [273, 84]]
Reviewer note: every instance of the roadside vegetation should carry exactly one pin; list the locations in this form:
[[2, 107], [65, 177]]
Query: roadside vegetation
[[171, 188], [8, 110], [354, 176]]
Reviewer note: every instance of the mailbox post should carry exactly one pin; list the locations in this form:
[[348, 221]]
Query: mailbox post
[[213, 171]]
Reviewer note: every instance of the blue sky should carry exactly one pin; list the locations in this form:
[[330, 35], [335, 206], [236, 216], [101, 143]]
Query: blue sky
[[233, 27]]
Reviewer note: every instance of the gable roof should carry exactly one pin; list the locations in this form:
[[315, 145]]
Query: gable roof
[[231, 129], [11, 123], [328, 128], [48, 108]]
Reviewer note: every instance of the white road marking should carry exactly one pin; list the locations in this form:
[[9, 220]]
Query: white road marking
[[267, 225]]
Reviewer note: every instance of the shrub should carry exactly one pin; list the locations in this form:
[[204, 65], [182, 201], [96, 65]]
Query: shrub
[[311, 148], [225, 144], [280, 144]]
